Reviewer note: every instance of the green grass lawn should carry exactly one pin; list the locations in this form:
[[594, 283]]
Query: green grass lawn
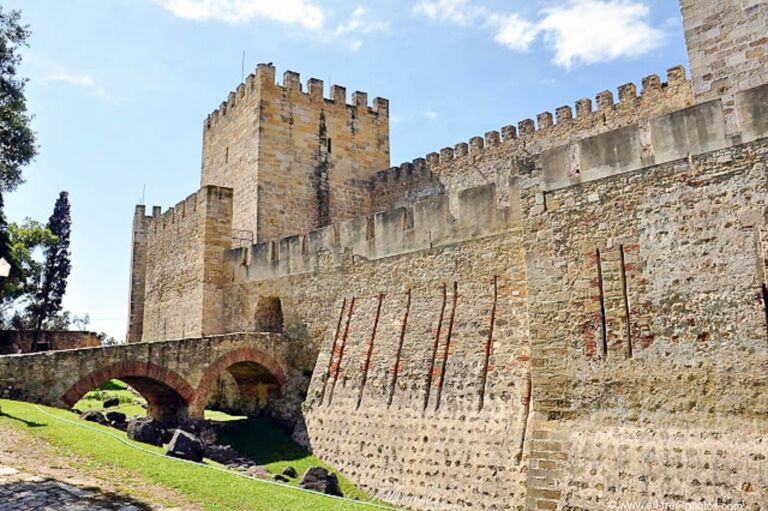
[[131, 404], [214, 490]]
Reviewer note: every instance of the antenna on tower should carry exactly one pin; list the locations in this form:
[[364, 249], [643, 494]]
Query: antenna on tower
[[242, 69]]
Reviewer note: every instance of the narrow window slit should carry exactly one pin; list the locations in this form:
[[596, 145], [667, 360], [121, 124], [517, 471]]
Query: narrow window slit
[[526, 413], [396, 368], [489, 344], [435, 344], [447, 346], [603, 327], [341, 350], [367, 365], [761, 272], [627, 315], [333, 349]]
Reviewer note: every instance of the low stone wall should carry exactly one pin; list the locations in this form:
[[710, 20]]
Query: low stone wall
[[20, 341]]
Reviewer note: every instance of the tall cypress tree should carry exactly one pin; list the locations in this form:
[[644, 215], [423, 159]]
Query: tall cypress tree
[[53, 281]]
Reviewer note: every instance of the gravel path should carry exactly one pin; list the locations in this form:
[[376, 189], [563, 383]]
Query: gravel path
[[33, 477]]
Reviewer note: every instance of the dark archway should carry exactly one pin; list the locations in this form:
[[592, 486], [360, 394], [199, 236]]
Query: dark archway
[[269, 315], [258, 376], [168, 394]]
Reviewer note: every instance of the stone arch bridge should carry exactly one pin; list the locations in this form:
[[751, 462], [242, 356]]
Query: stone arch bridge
[[175, 377]]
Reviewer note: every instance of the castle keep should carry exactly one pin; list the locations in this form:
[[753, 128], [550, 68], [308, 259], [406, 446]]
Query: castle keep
[[567, 313]]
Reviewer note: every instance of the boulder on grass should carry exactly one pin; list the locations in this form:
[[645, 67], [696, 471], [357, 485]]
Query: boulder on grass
[[115, 417], [145, 430], [185, 446], [122, 426], [223, 454], [94, 416], [290, 472], [111, 403], [281, 478], [320, 480]]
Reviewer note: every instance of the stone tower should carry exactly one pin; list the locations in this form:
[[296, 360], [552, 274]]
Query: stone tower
[[727, 48], [295, 160]]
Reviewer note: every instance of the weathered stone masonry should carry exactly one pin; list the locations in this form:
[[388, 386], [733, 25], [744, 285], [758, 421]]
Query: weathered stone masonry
[[569, 313]]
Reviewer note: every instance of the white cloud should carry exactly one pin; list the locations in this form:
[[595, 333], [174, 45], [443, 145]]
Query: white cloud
[[579, 32], [356, 45], [458, 12], [360, 21], [588, 31], [301, 12], [430, 115], [83, 81], [515, 33]]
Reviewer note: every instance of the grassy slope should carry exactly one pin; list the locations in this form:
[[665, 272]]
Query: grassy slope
[[267, 444], [216, 491]]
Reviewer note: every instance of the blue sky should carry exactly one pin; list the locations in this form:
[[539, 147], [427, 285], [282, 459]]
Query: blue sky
[[120, 88]]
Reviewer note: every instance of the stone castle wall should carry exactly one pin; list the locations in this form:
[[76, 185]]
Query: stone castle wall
[[566, 314], [727, 45], [21, 341], [295, 159], [184, 266], [492, 159], [643, 273], [409, 341]]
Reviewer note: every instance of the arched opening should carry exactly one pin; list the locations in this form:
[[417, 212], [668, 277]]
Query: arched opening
[[269, 315], [244, 381], [246, 388], [167, 395]]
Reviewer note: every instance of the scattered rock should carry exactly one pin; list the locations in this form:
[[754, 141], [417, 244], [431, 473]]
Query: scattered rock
[[111, 403], [202, 430], [115, 417], [122, 426], [166, 434], [146, 431], [320, 480], [281, 478], [185, 446], [223, 454], [76, 411], [94, 416], [290, 472]]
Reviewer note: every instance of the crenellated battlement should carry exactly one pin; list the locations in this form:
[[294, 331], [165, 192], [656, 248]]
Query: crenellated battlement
[[585, 118], [207, 195], [265, 77], [471, 214]]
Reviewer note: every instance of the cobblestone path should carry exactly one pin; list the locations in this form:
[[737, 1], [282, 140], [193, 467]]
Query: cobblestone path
[[25, 492]]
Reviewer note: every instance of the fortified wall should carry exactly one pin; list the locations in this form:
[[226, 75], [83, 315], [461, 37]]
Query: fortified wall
[[569, 313]]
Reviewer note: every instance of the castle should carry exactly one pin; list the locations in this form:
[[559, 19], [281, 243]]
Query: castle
[[570, 313]]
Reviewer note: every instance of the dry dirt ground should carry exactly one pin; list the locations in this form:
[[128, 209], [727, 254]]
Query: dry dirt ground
[[34, 477]]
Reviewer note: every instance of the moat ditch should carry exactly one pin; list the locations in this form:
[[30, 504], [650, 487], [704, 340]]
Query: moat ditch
[[254, 446]]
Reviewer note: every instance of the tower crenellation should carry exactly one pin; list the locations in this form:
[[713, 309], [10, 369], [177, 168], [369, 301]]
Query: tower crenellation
[[296, 158]]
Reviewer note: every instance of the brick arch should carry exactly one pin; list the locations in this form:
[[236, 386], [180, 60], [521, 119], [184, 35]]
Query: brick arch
[[137, 374], [197, 407]]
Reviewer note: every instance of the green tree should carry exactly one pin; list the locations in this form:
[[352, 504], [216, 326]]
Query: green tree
[[52, 283], [17, 140], [19, 246]]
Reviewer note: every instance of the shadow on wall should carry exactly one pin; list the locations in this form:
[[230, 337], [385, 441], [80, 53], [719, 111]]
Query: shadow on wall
[[54, 494]]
